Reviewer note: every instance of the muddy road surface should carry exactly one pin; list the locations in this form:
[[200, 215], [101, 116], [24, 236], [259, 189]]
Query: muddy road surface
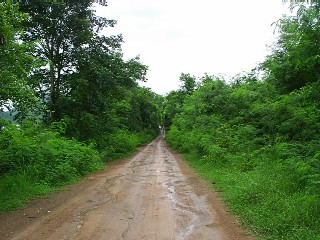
[[152, 195]]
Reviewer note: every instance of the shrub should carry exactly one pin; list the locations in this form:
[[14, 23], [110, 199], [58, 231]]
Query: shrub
[[120, 144], [47, 156]]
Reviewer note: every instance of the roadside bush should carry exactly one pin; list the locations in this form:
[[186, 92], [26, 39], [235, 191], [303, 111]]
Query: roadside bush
[[120, 144], [262, 151], [16, 149], [61, 160], [46, 155]]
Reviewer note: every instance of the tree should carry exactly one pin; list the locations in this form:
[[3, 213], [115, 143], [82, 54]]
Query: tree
[[100, 87], [60, 30], [295, 59], [175, 99], [144, 111], [188, 83], [15, 63]]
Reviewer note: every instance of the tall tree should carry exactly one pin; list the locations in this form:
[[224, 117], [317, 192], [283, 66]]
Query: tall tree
[[60, 29], [98, 87]]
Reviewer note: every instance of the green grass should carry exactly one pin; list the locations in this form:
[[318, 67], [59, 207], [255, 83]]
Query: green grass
[[16, 189], [266, 200]]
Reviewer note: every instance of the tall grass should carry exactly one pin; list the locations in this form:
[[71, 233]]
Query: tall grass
[[266, 199], [17, 188]]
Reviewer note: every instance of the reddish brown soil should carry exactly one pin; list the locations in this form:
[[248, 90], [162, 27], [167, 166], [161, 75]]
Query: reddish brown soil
[[152, 195]]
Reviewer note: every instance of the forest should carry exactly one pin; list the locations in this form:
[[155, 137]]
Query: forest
[[257, 137], [69, 101]]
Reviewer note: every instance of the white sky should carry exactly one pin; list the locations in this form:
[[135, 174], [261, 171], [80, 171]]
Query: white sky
[[196, 37]]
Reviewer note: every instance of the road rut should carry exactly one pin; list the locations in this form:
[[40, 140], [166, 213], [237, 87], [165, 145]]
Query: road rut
[[152, 195]]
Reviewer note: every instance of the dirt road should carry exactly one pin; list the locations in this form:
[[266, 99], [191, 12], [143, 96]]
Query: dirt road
[[152, 195]]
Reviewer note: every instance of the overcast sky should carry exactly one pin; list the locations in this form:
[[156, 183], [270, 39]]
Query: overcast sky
[[196, 37]]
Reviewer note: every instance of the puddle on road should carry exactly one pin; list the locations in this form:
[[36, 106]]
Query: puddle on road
[[157, 166], [192, 210]]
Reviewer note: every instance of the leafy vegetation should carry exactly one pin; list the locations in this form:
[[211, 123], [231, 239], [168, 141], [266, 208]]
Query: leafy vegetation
[[76, 102], [35, 160], [15, 62], [258, 139]]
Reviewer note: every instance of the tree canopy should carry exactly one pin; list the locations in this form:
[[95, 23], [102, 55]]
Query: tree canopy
[[295, 59], [15, 62]]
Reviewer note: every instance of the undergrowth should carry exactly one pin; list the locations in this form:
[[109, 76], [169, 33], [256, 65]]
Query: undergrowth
[[261, 149], [16, 189], [123, 143], [35, 160], [265, 198]]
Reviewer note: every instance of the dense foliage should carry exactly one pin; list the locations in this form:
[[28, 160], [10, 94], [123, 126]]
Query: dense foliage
[[15, 63], [76, 101], [258, 139]]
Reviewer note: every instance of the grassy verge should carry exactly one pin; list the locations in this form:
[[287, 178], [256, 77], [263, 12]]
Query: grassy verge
[[16, 189], [265, 198]]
